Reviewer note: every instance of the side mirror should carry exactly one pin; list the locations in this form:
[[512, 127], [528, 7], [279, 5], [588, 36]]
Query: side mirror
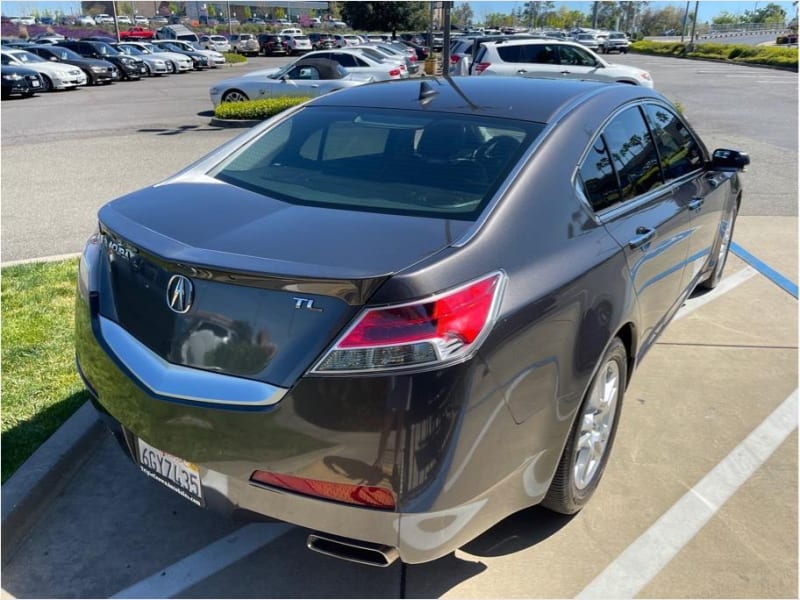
[[727, 160]]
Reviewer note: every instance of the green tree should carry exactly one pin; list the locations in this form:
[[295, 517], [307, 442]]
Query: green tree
[[771, 13], [246, 13], [461, 15], [534, 12], [657, 21], [385, 16], [725, 18]]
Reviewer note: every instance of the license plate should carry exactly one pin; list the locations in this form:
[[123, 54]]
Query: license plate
[[177, 474], [142, 70], [34, 84]]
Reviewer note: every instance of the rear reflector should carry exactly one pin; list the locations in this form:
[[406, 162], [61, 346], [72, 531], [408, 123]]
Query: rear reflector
[[362, 495], [454, 58], [481, 67], [442, 329]]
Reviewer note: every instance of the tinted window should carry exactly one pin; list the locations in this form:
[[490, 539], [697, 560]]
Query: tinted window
[[359, 159], [530, 53], [575, 56], [680, 152], [633, 154], [599, 178]]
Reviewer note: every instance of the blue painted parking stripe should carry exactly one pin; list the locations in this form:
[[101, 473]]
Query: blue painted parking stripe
[[763, 268]]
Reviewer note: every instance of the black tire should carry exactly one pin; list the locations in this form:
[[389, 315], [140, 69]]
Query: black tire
[[568, 491], [47, 83], [721, 251], [89, 79], [147, 70]]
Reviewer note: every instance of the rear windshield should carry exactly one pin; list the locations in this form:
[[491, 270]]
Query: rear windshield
[[368, 159]]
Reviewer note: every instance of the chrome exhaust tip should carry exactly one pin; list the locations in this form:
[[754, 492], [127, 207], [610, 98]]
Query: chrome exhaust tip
[[364, 553]]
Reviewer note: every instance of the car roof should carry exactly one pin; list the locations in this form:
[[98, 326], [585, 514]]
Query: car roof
[[528, 99], [527, 41]]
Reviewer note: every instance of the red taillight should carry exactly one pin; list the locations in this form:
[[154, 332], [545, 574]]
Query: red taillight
[[454, 58], [394, 73], [481, 67], [362, 495], [442, 329]]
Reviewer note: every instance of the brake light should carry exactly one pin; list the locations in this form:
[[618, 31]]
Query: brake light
[[481, 67], [454, 58], [363, 495], [394, 73], [440, 330]]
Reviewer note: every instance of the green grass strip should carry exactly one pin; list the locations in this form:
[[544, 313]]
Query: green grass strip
[[736, 53], [40, 387]]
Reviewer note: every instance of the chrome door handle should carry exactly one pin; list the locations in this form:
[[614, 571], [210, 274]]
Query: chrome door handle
[[696, 203], [644, 235], [521, 71]]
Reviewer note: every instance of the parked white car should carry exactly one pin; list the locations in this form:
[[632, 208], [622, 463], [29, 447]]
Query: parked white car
[[55, 75], [141, 20], [86, 20], [552, 58], [245, 43], [215, 42], [124, 20], [103, 18], [216, 58], [304, 77], [180, 62], [297, 44], [290, 31], [362, 60]]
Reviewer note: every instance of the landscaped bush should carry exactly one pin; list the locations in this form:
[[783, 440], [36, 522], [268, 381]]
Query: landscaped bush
[[737, 53], [232, 57], [257, 109]]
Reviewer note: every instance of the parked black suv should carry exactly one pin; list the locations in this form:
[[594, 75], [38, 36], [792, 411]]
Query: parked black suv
[[129, 67], [270, 44]]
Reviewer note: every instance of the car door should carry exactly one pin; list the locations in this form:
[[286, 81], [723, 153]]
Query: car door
[[623, 182], [683, 162], [578, 63]]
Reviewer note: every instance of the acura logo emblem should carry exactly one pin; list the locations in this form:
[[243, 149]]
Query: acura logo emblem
[[180, 294]]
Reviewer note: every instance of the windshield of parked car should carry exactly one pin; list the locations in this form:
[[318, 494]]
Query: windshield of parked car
[[616, 36], [172, 47], [27, 57], [378, 160], [106, 50], [132, 50], [64, 53]]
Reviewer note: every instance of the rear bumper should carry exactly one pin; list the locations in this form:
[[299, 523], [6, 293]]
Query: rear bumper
[[444, 442]]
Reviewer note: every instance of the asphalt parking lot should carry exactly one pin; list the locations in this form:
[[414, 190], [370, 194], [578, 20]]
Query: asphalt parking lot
[[700, 496]]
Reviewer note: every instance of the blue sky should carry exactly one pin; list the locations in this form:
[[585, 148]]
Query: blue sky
[[708, 8]]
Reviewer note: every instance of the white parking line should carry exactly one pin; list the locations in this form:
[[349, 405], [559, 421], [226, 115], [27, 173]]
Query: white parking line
[[724, 286], [202, 564], [655, 548]]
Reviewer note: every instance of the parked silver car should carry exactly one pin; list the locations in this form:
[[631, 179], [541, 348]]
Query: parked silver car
[[305, 77]]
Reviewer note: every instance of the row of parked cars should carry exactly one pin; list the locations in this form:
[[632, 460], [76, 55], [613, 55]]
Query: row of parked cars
[[59, 64], [321, 71]]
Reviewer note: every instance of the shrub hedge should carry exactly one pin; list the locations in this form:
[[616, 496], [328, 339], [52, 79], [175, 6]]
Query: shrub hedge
[[233, 57], [257, 109], [737, 53]]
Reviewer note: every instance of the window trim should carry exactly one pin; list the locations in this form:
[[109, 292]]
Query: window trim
[[623, 208]]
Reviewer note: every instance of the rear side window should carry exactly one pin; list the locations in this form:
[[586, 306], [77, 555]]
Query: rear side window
[[359, 159], [625, 148], [679, 150], [575, 56], [529, 53]]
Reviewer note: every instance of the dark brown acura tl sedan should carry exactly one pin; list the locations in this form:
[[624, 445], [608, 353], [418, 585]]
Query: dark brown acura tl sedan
[[401, 312]]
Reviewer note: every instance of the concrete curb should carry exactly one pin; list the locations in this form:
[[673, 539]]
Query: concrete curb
[[29, 491], [231, 123], [719, 60]]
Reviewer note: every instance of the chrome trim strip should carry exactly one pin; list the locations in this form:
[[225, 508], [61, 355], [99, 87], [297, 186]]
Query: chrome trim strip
[[184, 383]]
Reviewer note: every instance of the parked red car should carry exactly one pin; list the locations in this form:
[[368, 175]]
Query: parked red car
[[137, 33]]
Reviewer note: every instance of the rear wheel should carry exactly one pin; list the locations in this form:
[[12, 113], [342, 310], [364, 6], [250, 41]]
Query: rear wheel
[[723, 247], [234, 96], [589, 444]]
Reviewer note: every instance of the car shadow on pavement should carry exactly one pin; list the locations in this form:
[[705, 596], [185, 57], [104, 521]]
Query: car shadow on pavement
[[521, 530], [176, 130], [518, 532]]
